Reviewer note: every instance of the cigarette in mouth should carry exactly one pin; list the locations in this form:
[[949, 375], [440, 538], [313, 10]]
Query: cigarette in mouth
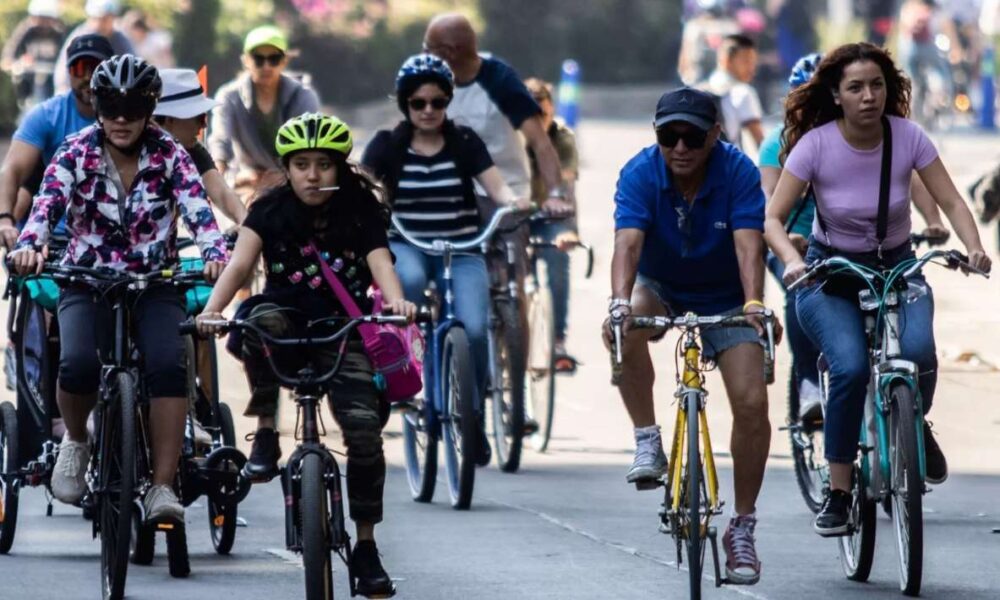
[[328, 189]]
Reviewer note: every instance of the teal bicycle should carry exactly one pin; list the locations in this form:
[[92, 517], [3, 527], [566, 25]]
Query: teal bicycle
[[891, 466]]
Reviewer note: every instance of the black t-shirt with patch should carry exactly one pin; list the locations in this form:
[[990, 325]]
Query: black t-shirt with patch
[[202, 159], [294, 277]]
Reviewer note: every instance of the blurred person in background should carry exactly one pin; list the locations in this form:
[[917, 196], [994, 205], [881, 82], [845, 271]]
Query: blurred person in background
[[740, 104], [703, 36], [101, 15], [920, 22], [795, 34], [252, 107], [564, 233], [154, 44], [29, 55]]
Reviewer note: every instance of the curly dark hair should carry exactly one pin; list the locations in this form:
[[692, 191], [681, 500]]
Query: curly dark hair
[[811, 105], [339, 218]]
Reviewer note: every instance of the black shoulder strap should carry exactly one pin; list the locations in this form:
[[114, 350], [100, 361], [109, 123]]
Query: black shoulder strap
[[801, 206], [885, 181]]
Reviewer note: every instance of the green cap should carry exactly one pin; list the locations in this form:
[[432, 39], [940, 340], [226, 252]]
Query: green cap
[[265, 35]]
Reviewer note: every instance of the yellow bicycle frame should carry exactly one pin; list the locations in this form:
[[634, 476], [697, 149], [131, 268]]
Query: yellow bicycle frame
[[691, 381]]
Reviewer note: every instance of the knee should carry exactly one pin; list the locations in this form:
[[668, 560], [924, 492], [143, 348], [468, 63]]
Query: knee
[[364, 440], [750, 408], [851, 371], [165, 373]]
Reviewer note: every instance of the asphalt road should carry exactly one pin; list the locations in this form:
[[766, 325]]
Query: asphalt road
[[567, 526]]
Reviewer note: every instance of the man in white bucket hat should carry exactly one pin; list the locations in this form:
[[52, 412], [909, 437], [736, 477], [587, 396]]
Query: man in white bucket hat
[[183, 111]]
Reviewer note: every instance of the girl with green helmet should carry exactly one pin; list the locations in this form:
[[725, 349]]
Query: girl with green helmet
[[326, 206]]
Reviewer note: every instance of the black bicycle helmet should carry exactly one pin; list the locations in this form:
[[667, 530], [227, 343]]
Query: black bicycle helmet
[[125, 85]]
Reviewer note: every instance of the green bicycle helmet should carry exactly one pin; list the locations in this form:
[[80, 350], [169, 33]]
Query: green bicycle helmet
[[314, 131]]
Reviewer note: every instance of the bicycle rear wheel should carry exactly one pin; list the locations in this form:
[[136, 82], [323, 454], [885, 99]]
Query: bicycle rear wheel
[[541, 366], [459, 422], [420, 444], [314, 516], [857, 549], [9, 464], [222, 519], [117, 485], [694, 540], [811, 470], [507, 375], [907, 488]]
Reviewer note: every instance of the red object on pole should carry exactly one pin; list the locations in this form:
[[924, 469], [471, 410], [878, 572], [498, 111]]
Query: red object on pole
[[203, 80]]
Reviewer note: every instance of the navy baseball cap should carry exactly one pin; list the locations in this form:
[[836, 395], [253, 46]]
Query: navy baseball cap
[[689, 105], [89, 45]]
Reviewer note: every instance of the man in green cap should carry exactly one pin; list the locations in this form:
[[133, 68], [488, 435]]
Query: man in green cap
[[253, 106]]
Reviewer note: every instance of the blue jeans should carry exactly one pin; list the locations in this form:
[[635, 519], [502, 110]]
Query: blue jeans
[[804, 353], [557, 267], [470, 284], [836, 325]]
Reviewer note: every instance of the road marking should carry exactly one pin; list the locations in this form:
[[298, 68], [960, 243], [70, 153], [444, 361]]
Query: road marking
[[292, 558], [615, 545]]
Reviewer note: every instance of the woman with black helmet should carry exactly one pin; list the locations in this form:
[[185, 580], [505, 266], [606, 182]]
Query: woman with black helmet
[[429, 167], [121, 183]]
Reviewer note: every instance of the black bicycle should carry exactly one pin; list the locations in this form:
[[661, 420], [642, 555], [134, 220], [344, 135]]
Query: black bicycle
[[311, 479]]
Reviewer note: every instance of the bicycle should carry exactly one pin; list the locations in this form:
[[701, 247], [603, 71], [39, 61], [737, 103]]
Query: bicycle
[[891, 464], [449, 408], [311, 479], [541, 384], [691, 485]]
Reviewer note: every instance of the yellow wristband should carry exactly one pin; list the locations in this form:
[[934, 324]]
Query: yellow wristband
[[753, 303]]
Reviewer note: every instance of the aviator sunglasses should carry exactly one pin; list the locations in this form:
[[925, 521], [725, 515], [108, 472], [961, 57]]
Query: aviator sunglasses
[[419, 104], [272, 59]]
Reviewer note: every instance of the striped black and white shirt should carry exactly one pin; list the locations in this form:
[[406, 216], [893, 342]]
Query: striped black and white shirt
[[430, 200]]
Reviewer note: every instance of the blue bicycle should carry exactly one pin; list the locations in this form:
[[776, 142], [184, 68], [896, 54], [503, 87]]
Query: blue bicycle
[[890, 468], [450, 407]]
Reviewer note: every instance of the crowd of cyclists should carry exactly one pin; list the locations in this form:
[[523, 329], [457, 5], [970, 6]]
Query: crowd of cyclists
[[111, 163]]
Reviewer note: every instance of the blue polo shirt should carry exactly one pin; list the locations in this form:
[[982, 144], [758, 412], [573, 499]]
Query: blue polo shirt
[[689, 250]]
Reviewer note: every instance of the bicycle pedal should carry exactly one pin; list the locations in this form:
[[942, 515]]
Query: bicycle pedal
[[648, 484]]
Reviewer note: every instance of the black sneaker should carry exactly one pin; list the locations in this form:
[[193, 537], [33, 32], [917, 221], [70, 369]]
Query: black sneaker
[[937, 466], [366, 568], [531, 427], [262, 465], [485, 454], [832, 520]]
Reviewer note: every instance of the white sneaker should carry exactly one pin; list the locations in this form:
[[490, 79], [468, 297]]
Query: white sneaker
[[650, 462], [69, 475], [162, 505], [810, 401], [201, 436]]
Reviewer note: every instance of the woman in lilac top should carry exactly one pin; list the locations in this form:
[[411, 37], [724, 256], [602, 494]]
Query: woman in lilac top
[[833, 140]]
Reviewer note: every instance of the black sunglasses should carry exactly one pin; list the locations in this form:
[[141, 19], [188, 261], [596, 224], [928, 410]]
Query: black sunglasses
[[694, 139], [131, 107], [436, 103], [272, 59]]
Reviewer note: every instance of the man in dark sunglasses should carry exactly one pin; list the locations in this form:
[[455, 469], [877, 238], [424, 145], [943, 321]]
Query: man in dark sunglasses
[[689, 221], [42, 131], [252, 107]]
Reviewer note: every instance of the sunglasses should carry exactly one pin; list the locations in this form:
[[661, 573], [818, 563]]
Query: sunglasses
[[83, 67], [694, 139], [272, 59], [129, 107], [419, 104]]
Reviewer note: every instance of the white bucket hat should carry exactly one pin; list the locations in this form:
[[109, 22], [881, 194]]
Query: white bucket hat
[[44, 8], [183, 96]]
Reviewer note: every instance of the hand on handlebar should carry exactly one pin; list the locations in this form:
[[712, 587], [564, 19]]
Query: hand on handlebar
[[28, 261], [566, 240], [794, 271], [936, 234], [205, 326], [557, 207], [755, 316], [212, 271], [979, 260], [403, 308]]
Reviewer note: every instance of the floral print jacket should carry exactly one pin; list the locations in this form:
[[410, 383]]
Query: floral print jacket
[[136, 234]]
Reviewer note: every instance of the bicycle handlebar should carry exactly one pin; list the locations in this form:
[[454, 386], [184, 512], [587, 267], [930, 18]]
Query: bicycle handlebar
[[581, 245], [822, 269], [442, 246]]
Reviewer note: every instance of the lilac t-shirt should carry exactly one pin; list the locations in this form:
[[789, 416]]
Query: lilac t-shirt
[[846, 181]]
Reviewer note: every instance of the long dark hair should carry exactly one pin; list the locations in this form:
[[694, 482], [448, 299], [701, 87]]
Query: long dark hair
[[338, 219], [811, 105]]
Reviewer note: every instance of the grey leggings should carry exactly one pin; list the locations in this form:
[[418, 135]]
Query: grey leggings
[[86, 327]]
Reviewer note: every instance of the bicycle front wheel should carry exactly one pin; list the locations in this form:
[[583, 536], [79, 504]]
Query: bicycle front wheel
[[541, 366], [314, 516], [116, 487], [507, 375], [9, 463], [857, 549], [806, 439], [460, 426], [222, 519], [907, 488], [420, 444], [695, 539]]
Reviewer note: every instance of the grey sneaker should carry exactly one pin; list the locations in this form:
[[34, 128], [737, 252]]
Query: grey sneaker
[[650, 462], [162, 505], [69, 475], [742, 565]]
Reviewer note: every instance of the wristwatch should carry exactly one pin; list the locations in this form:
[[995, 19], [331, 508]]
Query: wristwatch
[[619, 308], [558, 192], [8, 215]]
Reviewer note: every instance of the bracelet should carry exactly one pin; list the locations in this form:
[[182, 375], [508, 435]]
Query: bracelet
[[8, 215], [618, 302], [753, 303], [558, 192]]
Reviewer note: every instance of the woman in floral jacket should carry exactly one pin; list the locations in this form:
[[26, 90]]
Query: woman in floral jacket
[[122, 183]]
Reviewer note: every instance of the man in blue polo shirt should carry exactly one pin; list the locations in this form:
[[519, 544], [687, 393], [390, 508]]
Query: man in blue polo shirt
[[689, 221], [44, 129]]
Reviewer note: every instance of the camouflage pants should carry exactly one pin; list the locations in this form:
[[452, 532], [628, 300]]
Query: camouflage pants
[[356, 404]]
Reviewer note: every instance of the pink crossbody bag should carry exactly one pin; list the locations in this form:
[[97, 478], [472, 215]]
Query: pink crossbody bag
[[396, 353]]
